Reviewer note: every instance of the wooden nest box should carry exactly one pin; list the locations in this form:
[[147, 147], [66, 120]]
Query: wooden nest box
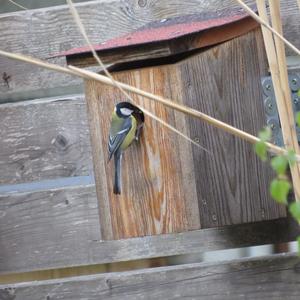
[[210, 62]]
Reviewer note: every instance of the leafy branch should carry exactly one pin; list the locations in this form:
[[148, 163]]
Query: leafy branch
[[281, 185]]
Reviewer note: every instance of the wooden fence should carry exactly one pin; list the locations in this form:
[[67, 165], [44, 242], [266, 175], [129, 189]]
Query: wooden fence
[[45, 138]]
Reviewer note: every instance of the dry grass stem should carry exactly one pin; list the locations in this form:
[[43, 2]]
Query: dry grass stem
[[116, 84], [151, 115], [91, 75], [184, 109], [17, 4], [266, 25], [277, 62], [37, 62]]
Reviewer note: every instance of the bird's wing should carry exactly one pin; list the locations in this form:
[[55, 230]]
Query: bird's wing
[[117, 136]]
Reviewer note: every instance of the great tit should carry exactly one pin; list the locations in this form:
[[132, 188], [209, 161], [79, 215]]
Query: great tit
[[126, 123]]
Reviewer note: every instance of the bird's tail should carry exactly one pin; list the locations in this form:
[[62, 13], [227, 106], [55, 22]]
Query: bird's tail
[[117, 183]]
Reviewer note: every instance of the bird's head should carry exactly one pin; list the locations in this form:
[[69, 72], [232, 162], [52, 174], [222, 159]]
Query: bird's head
[[124, 109]]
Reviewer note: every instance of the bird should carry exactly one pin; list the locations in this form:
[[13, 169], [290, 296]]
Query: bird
[[126, 123]]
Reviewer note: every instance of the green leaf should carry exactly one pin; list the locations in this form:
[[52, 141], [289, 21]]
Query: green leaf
[[261, 150], [298, 242], [294, 209], [291, 156], [298, 116], [279, 189], [265, 134], [298, 93], [279, 164]]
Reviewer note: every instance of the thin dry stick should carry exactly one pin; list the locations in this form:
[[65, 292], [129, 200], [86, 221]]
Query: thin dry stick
[[299, 3], [281, 59], [286, 114], [37, 62], [277, 63], [17, 4], [265, 24], [96, 56], [91, 75], [85, 36], [184, 109], [151, 115]]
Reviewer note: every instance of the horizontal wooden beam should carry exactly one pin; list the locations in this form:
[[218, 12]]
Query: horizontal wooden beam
[[60, 228], [34, 32], [37, 227], [44, 139], [269, 277]]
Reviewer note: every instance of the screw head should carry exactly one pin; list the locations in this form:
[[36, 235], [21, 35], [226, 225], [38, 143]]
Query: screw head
[[294, 82], [274, 125], [270, 106], [267, 86]]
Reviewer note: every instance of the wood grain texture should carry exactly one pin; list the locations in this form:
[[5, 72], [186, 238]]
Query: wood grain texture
[[225, 82], [35, 32], [44, 139], [59, 228], [269, 277], [232, 184], [40, 226], [153, 198]]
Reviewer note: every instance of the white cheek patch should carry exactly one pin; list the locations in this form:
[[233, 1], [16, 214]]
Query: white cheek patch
[[126, 111]]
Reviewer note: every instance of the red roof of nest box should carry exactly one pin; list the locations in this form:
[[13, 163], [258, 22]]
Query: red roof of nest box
[[212, 28]]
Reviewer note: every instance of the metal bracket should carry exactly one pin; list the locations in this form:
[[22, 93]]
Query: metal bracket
[[270, 106]]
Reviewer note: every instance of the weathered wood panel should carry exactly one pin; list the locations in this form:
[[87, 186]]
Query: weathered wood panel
[[36, 33], [60, 228], [7, 6], [225, 82], [44, 139], [232, 184], [153, 198], [39, 226], [269, 277]]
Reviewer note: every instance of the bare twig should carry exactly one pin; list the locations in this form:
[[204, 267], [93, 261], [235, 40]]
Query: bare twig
[[37, 62], [116, 84], [265, 24], [182, 108], [189, 111], [17, 4], [278, 68], [151, 115]]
